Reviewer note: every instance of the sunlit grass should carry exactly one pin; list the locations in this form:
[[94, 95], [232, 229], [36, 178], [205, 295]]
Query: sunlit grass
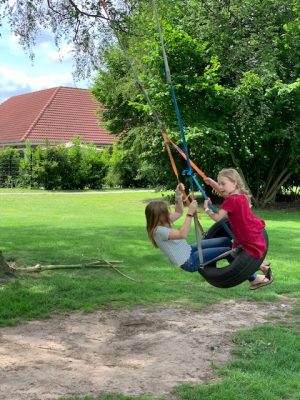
[[50, 228], [65, 229]]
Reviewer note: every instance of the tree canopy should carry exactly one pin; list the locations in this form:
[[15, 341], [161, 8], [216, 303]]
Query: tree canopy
[[84, 24], [235, 69]]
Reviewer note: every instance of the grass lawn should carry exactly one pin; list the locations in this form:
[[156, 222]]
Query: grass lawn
[[65, 228]]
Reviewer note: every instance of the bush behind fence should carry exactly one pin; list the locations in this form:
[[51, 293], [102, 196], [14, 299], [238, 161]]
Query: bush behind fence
[[76, 167], [82, 166]]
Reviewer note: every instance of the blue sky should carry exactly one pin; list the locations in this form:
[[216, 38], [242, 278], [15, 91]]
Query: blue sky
[[18, 74]]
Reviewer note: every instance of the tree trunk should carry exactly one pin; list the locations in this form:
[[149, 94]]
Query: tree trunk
[[5, 270]]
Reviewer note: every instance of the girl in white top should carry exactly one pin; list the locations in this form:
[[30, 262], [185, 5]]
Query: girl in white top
[[172, 242]]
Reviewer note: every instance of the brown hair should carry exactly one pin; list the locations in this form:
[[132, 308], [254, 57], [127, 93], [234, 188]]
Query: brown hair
[[234, 177], [157, 213]]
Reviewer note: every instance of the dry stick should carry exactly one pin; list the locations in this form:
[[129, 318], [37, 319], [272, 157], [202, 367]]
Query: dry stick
[[126, 276], [94, 264], [39, 267]]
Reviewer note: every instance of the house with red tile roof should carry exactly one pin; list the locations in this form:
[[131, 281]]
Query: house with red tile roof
[[55, 115]]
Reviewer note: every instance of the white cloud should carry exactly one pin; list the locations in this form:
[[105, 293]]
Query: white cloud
[[50, 67], [14, 46], [17, 78], [14, 81], [64, 53], [45, 49]]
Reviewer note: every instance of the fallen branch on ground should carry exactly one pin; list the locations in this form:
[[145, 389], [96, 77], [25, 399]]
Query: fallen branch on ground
[[93, 264]]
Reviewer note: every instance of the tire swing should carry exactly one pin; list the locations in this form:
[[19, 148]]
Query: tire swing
[[243, 265], [238, 271]]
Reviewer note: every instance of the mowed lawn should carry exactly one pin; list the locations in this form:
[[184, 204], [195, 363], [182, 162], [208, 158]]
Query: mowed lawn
[[67, 228]]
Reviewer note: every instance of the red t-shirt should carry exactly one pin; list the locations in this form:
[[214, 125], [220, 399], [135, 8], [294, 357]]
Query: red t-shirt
[[246, 227]]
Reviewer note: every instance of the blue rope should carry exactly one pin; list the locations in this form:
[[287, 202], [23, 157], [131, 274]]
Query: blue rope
[[189, 171], [182, 134]]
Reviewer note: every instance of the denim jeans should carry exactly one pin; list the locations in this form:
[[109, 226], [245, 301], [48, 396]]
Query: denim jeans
[[211, 248]]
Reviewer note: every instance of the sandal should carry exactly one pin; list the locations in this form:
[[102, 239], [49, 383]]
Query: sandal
[[266, 264], [266, 281], [266, 269], [268, 274]]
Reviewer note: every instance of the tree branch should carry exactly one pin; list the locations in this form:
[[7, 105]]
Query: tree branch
[[94, 264], [281, 178], [271, 173], [273, 192], [56, 11], [97, 15], [79, 11]]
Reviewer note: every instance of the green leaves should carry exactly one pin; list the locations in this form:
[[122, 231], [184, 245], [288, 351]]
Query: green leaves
[[235, 71]]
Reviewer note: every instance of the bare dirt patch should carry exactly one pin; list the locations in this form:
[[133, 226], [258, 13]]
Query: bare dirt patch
[[144, 351]]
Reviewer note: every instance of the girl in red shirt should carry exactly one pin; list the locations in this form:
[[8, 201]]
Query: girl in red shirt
[[246, 227]]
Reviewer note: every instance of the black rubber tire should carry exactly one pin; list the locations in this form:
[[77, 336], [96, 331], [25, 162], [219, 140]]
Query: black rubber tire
[[239, 270]]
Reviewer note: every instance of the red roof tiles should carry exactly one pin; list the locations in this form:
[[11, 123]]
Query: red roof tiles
[[57, 115]]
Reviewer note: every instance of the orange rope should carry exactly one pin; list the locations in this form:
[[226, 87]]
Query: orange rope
[[174, 167], [186, 199], [178, 149]]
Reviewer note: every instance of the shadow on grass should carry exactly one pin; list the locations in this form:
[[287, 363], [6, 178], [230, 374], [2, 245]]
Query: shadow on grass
[[156, 281], [40, 244]]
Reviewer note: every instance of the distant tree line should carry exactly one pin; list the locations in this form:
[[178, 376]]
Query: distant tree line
[[83, 166]]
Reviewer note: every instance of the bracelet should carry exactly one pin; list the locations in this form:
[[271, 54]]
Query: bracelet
[[207, 209], [189, 215]]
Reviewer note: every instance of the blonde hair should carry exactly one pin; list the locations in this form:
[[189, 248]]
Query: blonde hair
[[234, 177], [157, 213]]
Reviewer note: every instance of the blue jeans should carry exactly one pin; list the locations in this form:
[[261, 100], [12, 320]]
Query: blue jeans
[[211, 248]]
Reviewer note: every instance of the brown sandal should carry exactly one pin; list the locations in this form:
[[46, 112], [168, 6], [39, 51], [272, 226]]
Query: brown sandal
[[266, 281], [268, 274], [266, 269]]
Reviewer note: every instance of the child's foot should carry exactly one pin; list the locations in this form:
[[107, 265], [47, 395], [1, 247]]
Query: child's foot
[[260, 281], [265, 264], [265, 268]]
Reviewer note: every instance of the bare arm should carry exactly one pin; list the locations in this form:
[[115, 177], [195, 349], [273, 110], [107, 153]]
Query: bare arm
[[182, 233], [216, 216], [178, 203], [212, 183]]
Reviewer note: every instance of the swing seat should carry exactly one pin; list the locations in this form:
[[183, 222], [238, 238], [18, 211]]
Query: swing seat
[[238, 271]]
